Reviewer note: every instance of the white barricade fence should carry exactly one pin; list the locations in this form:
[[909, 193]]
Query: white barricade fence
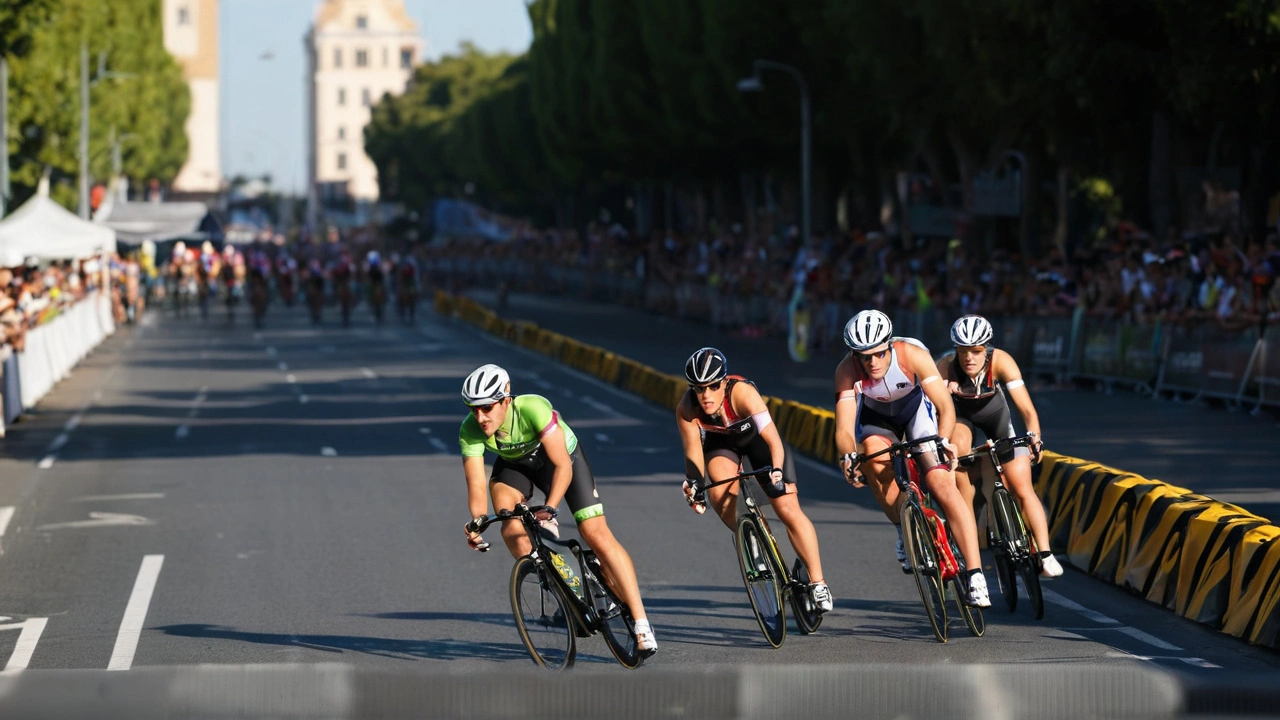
[[55, 348]]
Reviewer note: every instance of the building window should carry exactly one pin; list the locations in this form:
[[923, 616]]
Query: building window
[[406, 58], [184, 15], [342, 96], [362, 22], [337, 57], [362, 58], [342, 133], [366, 97], [342, 161]]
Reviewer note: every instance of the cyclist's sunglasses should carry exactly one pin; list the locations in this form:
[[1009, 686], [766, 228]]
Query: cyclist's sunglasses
[[700, 389], [486, 409], [867, 357]]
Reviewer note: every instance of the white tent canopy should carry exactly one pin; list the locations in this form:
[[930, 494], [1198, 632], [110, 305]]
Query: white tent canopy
[[135, 222], [45, 230]]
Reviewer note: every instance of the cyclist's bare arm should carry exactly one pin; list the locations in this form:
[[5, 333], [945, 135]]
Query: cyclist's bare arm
[[477, 485], [934, 388], [691, 438], [553, 444], [746, 401], [846, 411], [1007, 372]]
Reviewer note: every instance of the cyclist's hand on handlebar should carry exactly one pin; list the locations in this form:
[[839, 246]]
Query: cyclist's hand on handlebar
[[545, 514], [852, 473], [696, 500], [474, 540], [1037, 447], [949, 452]]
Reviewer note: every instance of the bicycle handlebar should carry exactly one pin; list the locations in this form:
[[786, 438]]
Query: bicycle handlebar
[[701, 487], [898, 447], [520, 512], [996, 445]]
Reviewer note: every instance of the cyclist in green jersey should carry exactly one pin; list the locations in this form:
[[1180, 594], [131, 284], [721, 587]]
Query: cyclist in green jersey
[[537, 449]]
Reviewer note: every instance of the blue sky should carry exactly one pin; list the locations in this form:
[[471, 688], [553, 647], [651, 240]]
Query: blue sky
[[262, 100]]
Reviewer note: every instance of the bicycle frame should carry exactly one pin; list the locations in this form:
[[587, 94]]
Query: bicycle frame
[[753, 509], [991, 450]]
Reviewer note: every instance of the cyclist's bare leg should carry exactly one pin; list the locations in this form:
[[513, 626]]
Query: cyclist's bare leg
[[505, 497], [804, 538], [960, 519], [723, 499], [878, 475], [619, 571], [962, 438], [1017, 474]]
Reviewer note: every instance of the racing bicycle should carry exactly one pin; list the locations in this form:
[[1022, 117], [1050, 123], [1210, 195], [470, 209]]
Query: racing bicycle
[[935, 560], [763, 570], [554, 606], [1013, 548]]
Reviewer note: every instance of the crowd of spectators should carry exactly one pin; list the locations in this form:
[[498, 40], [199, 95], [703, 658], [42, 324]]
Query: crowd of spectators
[[1125, 273], [31, 295]]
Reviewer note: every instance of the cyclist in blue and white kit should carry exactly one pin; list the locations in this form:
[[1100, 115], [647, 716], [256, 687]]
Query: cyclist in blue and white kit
[[887, 391]]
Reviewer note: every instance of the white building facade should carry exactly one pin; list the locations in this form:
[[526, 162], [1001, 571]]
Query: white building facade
[[357, 50], [191, 37]]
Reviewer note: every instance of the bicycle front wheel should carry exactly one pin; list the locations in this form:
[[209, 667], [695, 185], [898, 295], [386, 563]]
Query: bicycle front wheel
[[972, 616], [924, 565], [616, 623], [1030, 569], [762, 579], [542, 616], [1006, 529], [807, 616]]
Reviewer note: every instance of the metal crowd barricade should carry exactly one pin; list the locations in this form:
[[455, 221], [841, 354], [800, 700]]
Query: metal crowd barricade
[[1050, 340]]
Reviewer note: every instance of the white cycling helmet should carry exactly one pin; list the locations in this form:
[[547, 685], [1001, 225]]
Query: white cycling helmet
[[486, 384], [971, 331], [867, 329], [707, 365]]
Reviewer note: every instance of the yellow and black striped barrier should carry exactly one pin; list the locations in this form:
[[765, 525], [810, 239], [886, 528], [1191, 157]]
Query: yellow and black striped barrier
[[1206, 560]]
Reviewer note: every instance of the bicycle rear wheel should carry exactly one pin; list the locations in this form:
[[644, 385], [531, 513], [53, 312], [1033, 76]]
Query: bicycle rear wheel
[[762, 579], [1006, 532], [616, 623], [924, 565], [972, 616], [543, 616], [807, 616]]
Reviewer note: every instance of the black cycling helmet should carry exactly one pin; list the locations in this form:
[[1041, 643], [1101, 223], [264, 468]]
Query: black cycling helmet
[[706, 366]]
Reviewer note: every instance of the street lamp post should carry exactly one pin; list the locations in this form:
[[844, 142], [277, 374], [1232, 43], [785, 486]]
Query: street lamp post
[[85, 83], [753, 83]]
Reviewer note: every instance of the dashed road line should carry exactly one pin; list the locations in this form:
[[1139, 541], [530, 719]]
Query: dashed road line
[[601, 437], [290, 378], [74, 422], [58, 442], [135, 613], [271, 351], [32, 628], [46, 462], [1147, 638], [6, 514], [283, 366], [181, 432], [327, 451], [304, 399], [1063, 602], [126, 496], [438, 444], [368, 373], [425, 431]]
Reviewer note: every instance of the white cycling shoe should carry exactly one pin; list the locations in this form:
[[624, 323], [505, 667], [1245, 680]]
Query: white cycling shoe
[[978, 596], [821, 595], [646, 642], [1049, 566], [902, 556]]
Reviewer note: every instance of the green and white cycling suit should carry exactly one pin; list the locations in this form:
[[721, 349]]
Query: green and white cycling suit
[[522, 462]]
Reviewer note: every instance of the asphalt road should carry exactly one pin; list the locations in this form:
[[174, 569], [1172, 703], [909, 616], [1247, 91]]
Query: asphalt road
[[207, 494]]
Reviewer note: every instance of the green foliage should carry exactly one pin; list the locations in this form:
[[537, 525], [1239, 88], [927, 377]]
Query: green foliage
[[147, 103], [643, 90], [18, 20]]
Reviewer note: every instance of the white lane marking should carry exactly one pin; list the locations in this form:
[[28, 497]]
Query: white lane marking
[[1193, 661], [1076, 607], [99, 519], [126, 496], [271, 351], [567, 392], [327, 451], [6, 514], [135, 613], [181, 432], [601, 406], [304, 399], [58, 442], [283, 366], [438, 444], [22, 652], [290, 379], [46, 462], [1147, 638], [601, 437], [368, 373], [74, 422], [543, 384], [425, 431]]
